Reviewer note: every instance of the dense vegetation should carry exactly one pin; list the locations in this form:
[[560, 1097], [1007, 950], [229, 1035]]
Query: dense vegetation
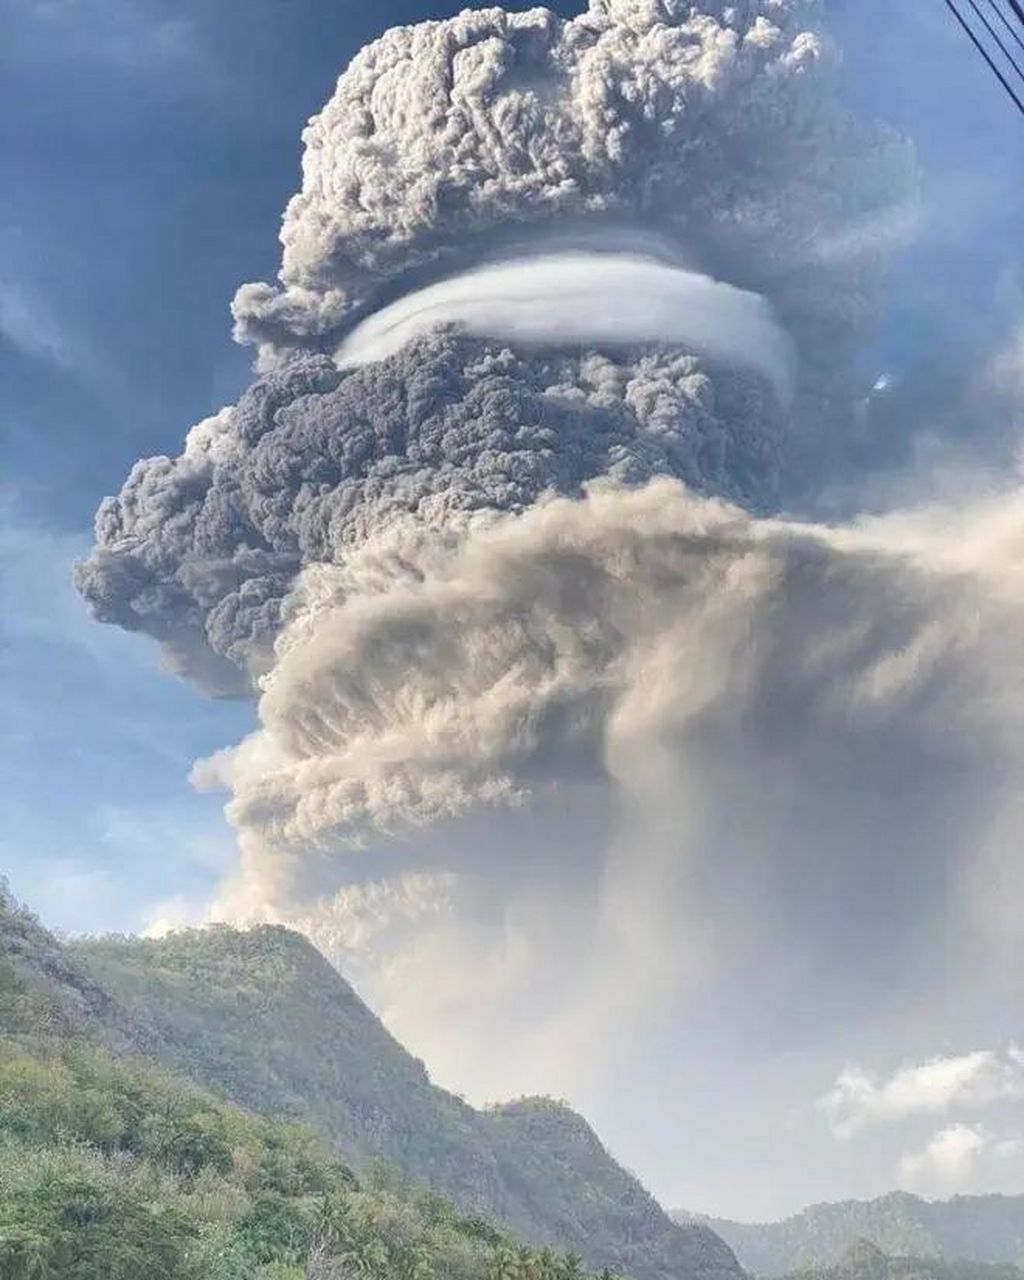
[[261, 1017], [115, 1171], [114, 1168], [45, 992], [260, 1020], [989, 1229]]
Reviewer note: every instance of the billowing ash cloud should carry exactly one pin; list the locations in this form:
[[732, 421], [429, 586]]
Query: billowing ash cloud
[[716, 127], [199, 551], [559, 643], [559, 726], [564, 298], [714, 135], [625, 754]]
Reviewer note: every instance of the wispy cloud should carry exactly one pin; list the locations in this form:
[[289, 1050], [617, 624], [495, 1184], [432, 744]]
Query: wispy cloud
[[136, 867], [84, 712], [42, 606], [137, 834], [27, 324], [972, 1081], [33, 327]]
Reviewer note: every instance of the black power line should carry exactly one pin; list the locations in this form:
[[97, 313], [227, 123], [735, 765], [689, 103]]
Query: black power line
[[1016, 35], [1018, 10], [1018, 102], [995, 36]]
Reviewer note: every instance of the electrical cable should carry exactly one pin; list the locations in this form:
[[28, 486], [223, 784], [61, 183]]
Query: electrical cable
[[1016, 35], [1017, 101], [999, 44]]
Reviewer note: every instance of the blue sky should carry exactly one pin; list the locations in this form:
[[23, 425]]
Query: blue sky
[[148, 150]]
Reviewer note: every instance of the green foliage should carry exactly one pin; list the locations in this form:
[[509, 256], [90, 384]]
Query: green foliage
[[44, 992], [114, 1170], [262, 1018], [79, 1228]]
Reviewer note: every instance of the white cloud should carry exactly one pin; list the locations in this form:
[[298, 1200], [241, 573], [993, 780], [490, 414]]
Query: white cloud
[[174, 913], [972, 1081], [950, 1157], [962, 1155], [564, 298]]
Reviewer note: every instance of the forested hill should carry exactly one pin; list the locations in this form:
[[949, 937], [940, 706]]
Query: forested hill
[[862, 1260], [114, 1169], [985, 1229], [261, 1019]]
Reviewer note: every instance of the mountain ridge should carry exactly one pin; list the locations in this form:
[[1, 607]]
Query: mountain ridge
[[261, 1019], [203, 995], [988, 1229]]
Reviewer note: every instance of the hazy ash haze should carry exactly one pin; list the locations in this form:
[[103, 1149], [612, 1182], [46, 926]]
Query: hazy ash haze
[[608, 702]]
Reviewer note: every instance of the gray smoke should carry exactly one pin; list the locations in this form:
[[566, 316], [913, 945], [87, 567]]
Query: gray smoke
[[714, 134], [199, 551]]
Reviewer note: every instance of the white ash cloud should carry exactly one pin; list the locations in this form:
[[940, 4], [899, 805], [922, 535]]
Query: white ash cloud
[[560, 730], [961, 1156], [398, 700], [566, 298]]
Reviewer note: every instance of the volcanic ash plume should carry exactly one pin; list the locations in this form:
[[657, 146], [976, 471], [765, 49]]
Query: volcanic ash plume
[[564, 308], [716, 129], [713, 135], [759, 711]]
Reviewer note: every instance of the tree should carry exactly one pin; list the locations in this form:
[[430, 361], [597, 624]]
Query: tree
[[504, 1264], [76, 1229], [572, 1267]]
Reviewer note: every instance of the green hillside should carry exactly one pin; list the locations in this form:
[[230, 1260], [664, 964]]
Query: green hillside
[[259, 1019], [112, 1170], [862, 1260], [45, 992], [986, 1229], [262, 1018]]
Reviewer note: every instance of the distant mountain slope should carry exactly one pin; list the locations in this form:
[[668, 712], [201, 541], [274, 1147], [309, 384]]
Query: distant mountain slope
[[262, 1018], [862, 1260], [987, 1229]]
